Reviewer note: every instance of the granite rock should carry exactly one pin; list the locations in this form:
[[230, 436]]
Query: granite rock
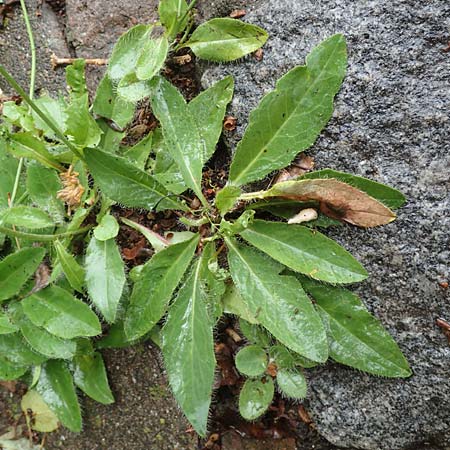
[[391, 124]]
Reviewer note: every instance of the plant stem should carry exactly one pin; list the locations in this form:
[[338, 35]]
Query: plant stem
[[12, 82], [252, 196], [32, 47], [43, 237]]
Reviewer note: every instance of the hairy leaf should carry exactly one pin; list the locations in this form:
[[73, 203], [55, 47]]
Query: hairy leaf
[[384, 194], [208, 110], [292, 383], [289, 119], [181, 135], [108, 228], [356, 338], [123, 182], [152, 57], [140, 152], [56, 387], [72, 270], [8, 169], [132, 89], [188, 349], [233, 304], [17, 268], [277, 301], [6, 326], [76, 79], [55, 110], [251, 360], [254, 333], [26, 216], [13, 348], [155, 286], [226, 39], [226, 198], [10, 371], [61, 314], [305, 251], [105, 276], [173, 16], [337, 200], [90, 376], [255, 397], [126, 51]]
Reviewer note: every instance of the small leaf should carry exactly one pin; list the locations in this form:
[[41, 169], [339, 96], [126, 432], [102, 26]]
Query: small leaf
[[43, 419], [108, 228], [305, 251], [356, 338], [60, 313], [292, 383], [6, 326], [25, 145], [233, 304], [289, 119], [151, 58], [111, 106], [105, 276], [27, 217], [43, 185], [251, 361], [123, 182], [90, 376], [173, 16], [226, 198], [72, 270], [81, 125], [132, 89], [156, 240], [125, 52], [56, 387], [155, 286], [384, 194], [277, 301], [17, 268], [8, 170], [226, 39], [254, 333], [75, 78], [282, 356], [140, 152], [55, 110], [208, 109], [181, 135], [255, 398], [337, 200], [188, 350]]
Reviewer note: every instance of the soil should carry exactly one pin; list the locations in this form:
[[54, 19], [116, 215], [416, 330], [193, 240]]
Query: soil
[[145, 415]]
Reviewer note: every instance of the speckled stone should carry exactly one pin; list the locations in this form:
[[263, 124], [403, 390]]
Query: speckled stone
[[391, 124]]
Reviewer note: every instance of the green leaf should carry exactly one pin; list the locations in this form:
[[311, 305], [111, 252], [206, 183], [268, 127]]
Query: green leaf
[[155, 286], [131, 89], [55, 110], [385, 194], [255, 398], [126, 51], [81, 125], [156, 240], [282, 356], [6, 326], [17, 268], [46, 343], [172, 14], [208, 109], [140, 152], [10, 371], [226, 39], [111, 106], [72, 270], [14, 349], [116, 337], [44, 420], [56, 387], [108, 228], [25, 145], [43, 185], [90, 376], [27, 217], [226, 198], [356, 338], [188, 349], [336, 199], [8, 169], [251, 360], [105, 276], [233, 304], [151, 58], [61, 314], [277, 301], [180, 131], [254, 333], [305, 251], [289, 119], [292, 383], [76, 79], [123, 182]]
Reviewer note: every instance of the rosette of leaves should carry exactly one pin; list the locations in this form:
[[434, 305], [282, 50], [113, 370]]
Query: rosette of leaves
[[64, 165]]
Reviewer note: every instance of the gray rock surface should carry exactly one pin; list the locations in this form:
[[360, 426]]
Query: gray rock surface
[[391, 124]]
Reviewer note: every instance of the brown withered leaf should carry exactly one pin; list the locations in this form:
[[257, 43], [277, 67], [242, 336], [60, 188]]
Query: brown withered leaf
[[337, 200]]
